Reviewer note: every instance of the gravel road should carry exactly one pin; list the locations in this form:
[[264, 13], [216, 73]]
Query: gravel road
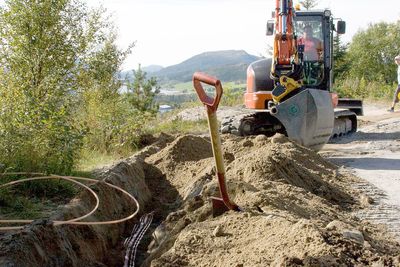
[[373, 154]]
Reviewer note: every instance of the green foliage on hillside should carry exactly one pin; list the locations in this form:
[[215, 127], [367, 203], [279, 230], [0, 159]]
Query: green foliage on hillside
[[59, 87], [233, 94], [366, 68], [361, 88], [40, 44], [372, 51]]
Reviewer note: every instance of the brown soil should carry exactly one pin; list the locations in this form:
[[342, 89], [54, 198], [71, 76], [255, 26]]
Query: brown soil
[[296, 211]]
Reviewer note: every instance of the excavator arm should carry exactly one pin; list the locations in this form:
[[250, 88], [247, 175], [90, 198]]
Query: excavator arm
[[284, 41], [286, 65]]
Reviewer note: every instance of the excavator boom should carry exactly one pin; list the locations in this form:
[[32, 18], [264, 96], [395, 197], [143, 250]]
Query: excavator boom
[[286, 65], [284, 43]]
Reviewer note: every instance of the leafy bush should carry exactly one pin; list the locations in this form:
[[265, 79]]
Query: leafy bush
[[178, 125], [372, 51], [37, 134], [233, 95], [116, 121], [360, 88]]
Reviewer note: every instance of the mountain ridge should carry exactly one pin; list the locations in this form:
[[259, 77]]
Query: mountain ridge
[[226, 65]]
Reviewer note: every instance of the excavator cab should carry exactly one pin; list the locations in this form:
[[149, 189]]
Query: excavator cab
[[310, 39], [315, 29], [315, 53]]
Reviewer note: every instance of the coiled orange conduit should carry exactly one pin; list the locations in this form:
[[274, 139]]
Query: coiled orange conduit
[[76, 221]]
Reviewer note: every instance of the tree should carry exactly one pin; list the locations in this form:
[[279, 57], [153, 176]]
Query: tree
[[372, 51], [142, 92], [48, 53], [40, 41], [308, 4], [102, 109], [341, 66]]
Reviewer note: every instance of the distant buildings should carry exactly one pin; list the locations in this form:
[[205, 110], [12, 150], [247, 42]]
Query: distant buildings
[[165, 108]]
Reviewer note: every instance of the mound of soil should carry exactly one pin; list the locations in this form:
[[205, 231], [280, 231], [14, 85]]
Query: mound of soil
[[296, 211]]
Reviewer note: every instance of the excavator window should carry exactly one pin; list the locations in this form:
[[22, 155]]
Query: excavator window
[[309, 33]]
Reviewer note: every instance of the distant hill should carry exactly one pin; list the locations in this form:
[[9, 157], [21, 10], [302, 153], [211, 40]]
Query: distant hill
[[128, 74], [152, 68], [227, 65]]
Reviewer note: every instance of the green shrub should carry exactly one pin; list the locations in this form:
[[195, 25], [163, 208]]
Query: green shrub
[[177, 126], [33, 199], [360, 88], [233, 95], [37, 135]]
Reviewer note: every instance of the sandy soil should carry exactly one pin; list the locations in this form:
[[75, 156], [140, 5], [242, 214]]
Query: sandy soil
[[373, 154], [297, 209]]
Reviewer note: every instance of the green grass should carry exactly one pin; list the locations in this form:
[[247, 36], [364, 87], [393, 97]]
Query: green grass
[[188, 86], [33, 199], [91, 160], [184, 87], [22, 207], [178, 126], [38, 199]]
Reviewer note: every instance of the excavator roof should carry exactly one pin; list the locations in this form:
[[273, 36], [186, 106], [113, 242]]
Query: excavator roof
[[320, 12]]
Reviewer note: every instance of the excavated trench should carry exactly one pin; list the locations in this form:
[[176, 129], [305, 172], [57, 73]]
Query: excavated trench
[[296, 211]]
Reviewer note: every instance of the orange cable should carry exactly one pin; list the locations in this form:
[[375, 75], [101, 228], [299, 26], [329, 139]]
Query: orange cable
[[75, 221]]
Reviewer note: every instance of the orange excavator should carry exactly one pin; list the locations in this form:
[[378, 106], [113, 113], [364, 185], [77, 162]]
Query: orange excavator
[[290, 93]]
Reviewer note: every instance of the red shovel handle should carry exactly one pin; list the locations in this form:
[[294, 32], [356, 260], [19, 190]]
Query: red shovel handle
[[212, 103]]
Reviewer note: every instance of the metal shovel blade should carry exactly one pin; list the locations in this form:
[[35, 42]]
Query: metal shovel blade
[[218, 206]]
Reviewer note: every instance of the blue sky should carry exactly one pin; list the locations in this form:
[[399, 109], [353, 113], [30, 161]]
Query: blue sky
[[169, 31]]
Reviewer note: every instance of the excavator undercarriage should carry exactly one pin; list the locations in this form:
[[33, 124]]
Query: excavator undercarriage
[[312, 127]]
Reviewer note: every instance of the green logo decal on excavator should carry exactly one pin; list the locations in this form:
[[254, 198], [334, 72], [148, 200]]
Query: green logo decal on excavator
[[293, 110]]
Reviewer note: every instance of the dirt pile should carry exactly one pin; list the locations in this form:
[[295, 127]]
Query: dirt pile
[[296, 211]]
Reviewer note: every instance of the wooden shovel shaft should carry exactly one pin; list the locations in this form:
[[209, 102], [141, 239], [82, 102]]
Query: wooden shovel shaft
[[219, 161], [211, 105]]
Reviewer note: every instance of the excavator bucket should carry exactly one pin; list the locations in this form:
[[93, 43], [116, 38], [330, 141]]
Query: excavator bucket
[[308, 117]]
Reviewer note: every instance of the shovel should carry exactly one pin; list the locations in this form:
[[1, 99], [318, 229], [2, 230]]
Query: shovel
[[220, 205]]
